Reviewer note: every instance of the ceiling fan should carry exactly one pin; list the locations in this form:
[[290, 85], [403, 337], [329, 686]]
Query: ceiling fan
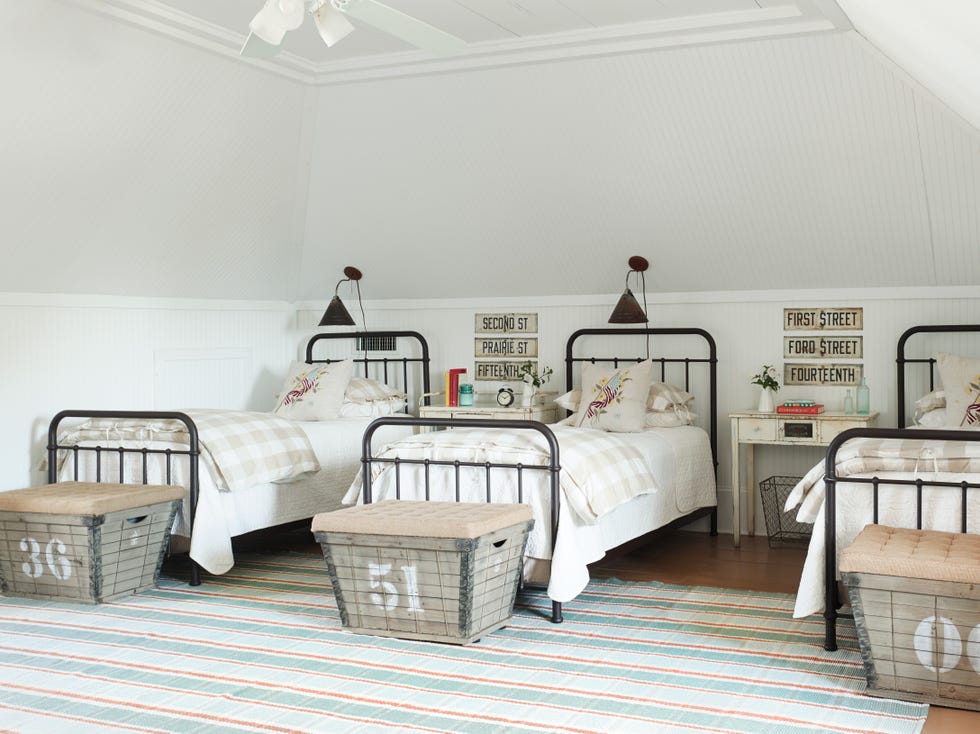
[[276, 17]]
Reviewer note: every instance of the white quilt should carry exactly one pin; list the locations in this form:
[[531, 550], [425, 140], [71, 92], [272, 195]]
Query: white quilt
[[950, 461], [666, 472]]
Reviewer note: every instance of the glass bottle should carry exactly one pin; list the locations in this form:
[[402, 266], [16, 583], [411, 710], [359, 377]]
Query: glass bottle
[[848, 404], [863, 397], [466, 394]]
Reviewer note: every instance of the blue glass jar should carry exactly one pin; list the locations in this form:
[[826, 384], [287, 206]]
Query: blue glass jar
[[466, 394], [863, 397]]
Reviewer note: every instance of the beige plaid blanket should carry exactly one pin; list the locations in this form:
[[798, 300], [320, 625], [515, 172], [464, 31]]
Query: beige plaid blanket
[[873, 455], [598, 471], [240, 448]]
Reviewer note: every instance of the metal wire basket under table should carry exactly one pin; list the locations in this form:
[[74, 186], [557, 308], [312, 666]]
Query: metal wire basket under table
[[782, 527]]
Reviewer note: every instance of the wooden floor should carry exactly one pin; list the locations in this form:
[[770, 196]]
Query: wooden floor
[[697, 559], [694, 559]]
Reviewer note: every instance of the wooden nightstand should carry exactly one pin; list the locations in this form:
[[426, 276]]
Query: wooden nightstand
[[779, 429], [543, 410]]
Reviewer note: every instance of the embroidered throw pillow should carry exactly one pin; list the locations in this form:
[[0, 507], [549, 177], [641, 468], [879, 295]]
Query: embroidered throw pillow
[[615, 399], [314, 392], [961, 383]]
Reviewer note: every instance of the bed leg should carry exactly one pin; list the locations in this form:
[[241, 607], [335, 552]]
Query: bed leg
[[556, 612], [195, 574], [714, 522], [830, 630]]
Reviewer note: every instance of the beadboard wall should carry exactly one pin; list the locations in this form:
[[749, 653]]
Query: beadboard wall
[[105, 352]]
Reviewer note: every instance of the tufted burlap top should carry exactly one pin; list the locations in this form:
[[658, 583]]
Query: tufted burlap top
[[86, 498], [922, 554], [423, 519]]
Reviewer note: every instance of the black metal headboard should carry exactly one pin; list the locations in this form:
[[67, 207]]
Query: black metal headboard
[[711, 360], [903, 362], [390, 369]]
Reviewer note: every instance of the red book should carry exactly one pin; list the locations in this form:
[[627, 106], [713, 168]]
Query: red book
[[454, 385], [800, 409]]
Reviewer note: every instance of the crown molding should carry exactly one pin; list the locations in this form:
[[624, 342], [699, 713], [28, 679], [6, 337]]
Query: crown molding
[[770, 21]]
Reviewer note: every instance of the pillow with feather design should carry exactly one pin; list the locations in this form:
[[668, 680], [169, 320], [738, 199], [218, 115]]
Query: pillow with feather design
[[615, 399]]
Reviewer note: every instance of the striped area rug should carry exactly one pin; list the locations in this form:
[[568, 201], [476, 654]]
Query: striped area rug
[[261, 649]]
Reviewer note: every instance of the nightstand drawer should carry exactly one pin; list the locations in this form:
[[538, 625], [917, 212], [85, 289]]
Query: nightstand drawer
[[830, 429], [756, 429], [803, 430]]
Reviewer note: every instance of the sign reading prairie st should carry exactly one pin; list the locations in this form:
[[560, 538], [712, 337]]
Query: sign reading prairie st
[[506, 323], [505, 347], [821, 374], [823, 319], [496, 371], [823, 347]]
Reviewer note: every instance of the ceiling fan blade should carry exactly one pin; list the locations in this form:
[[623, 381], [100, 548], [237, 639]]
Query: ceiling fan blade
[[398, 24], [275, 18], [255, 48], [331, 24]]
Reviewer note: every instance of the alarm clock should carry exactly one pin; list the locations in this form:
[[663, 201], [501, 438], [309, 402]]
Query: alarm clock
[[505, 397]]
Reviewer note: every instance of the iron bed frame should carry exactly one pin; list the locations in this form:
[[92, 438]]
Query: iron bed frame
[[192, 452], [553, 465], [832, 602]]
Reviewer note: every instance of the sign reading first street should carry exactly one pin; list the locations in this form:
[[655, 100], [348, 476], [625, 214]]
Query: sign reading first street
[[823, 319]]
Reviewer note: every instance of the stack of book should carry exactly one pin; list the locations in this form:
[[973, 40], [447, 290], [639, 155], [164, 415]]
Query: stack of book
[[452, 386], [800, 407]]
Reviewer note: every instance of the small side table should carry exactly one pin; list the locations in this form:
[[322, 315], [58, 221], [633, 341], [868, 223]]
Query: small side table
[[778, 429], [542, 410]]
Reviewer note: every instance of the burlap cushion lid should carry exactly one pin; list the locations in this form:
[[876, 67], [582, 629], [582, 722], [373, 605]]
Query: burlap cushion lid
[[86, 498], [922, 554], [423, 519]]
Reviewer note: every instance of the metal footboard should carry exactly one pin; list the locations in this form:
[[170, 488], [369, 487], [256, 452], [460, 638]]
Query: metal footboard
[[553, 466], [831, 596], [100, 452]]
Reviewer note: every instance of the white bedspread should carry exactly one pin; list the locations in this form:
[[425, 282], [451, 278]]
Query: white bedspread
[[933, 460], [657, 475]]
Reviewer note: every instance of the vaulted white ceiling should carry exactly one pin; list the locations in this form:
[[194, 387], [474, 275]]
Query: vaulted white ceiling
[[738, 145]]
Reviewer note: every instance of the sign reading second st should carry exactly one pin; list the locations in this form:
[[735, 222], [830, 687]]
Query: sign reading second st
[[525, 348], [823, 347]]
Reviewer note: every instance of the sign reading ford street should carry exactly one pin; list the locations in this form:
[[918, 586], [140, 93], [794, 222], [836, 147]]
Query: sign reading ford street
[[823, 347]]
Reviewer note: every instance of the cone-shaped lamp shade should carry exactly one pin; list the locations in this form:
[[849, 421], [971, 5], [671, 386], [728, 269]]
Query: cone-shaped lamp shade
[[336, 314], [628, 311]]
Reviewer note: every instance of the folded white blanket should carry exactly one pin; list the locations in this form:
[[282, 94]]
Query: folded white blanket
[[240, 448]]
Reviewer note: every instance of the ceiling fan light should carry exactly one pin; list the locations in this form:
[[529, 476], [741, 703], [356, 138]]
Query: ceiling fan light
[[331, 24], [276, 17]]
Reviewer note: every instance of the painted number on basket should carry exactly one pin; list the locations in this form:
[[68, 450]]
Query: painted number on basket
[[389, 601], [58, 564], [934, 633]]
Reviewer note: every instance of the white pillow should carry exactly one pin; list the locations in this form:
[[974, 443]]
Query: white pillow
[[961, 384], [570, 400], [931, 401], [615, 399], [935, 418], [669, 419], [665, 397], [366, 390], [314, 392], [373, 409]]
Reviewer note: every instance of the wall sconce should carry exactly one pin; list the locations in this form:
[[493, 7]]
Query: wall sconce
[[336, 313], [627, 310]]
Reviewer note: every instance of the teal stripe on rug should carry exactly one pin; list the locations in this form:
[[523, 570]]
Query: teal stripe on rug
[[262, 649]]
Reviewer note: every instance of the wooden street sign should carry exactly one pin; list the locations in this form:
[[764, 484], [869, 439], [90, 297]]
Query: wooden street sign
[[505, 347], [821, 374], [823, 319], [823, 347], [497, 371], [506, 323]]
